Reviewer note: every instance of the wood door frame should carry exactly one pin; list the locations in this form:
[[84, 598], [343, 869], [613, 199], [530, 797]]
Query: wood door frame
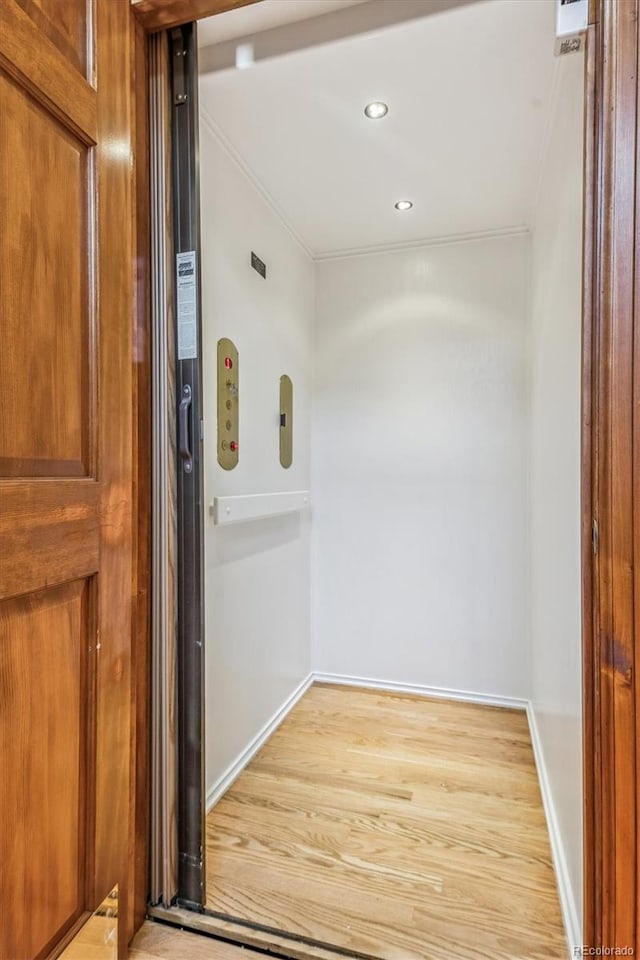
[[141, 517], [610, 445], [156, 15]]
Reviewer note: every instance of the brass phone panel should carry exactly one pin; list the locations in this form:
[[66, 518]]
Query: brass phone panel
[[228, 419], [286, 421]]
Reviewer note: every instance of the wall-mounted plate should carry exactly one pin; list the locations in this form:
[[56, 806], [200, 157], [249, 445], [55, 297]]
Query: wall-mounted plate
[[286, 421], [228, 405]]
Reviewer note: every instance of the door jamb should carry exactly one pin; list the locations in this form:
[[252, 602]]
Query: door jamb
[[611, 448]]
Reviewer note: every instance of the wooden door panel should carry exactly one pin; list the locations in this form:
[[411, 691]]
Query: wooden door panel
[[30, 555], [38, 65], [45, 389], [66, 407], [42, 848], [65, 25]]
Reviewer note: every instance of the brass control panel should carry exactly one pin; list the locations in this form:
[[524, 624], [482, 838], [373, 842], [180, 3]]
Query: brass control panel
[[286, 421], [228, 418]]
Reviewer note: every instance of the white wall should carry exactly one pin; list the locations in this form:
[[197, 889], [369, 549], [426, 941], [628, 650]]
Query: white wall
[[445, 475], [257, 590], [555, 467], [420, 447]]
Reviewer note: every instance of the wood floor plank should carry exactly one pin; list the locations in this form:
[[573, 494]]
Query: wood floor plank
[[393, 826], [424, 852], [348, 803], [158, 942], [393, 829]]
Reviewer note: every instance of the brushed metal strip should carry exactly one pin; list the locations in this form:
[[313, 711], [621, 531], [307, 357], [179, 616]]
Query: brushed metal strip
[[164, 846]]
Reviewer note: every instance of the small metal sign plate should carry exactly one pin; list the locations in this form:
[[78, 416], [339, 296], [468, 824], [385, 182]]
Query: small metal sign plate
[[259, 265]]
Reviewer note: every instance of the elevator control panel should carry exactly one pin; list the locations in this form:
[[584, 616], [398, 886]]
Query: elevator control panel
[[286, 421], [228, 418]]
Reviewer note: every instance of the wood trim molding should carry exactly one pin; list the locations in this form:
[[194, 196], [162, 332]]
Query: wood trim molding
[[612, 448], [163, 14], [141, 435]]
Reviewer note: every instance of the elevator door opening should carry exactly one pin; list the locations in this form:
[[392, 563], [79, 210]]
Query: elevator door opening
[[416, 275]]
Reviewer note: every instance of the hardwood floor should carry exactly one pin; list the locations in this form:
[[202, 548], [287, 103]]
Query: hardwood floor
[[158, 942], [392, 826]]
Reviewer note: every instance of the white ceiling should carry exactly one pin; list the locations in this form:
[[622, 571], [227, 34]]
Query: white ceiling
[[469, 93], [263, 16]]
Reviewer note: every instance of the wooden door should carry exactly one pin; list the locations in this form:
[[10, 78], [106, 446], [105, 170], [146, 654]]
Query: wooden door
[[66, 287]]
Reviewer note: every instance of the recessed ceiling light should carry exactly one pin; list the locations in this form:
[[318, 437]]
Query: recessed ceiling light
[[376, 110], [403, 205]]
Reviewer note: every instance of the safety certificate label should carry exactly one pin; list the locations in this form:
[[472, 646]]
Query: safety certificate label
[[187, 305]]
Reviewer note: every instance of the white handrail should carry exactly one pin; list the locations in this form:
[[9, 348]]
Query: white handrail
[[256, 506]]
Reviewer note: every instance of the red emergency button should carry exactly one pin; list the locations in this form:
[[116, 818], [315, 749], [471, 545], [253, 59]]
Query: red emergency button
[[234, 445], [228, 362]]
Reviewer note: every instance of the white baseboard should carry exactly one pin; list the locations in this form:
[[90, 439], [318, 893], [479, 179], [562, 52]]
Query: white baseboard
[[443, 693], [234, 770], [567, 899]]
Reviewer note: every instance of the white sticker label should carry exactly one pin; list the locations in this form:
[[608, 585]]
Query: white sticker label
[[187, 315]]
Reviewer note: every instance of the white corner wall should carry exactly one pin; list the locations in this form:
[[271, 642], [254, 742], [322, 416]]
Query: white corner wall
[[556, 283], [257, 591], [420, 456]]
